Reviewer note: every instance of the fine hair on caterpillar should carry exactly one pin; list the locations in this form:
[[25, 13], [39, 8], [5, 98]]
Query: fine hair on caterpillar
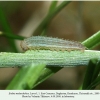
[[50, 43]]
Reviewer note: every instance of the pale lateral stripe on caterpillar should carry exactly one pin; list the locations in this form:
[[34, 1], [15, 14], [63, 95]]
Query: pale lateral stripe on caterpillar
[[49, 43]]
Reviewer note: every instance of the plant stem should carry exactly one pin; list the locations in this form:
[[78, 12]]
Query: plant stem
[[49, 71], [49, 17], [57, 58], [93, 41], [52, 6]]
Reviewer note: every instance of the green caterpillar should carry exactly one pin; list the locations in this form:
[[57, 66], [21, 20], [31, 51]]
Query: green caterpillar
[[49, 43]]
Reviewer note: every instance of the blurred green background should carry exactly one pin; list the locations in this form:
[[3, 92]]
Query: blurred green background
[[77, 21]]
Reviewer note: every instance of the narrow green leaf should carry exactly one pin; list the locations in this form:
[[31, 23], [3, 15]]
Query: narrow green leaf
[[94, 83], [52, 6], [6, 27], [51, 9], [11, 36], [96, 71], [49, 17], [89, 73], [26, 77]]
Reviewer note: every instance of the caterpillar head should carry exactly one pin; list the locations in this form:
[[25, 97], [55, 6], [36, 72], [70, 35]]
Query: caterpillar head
[[24, 45]]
